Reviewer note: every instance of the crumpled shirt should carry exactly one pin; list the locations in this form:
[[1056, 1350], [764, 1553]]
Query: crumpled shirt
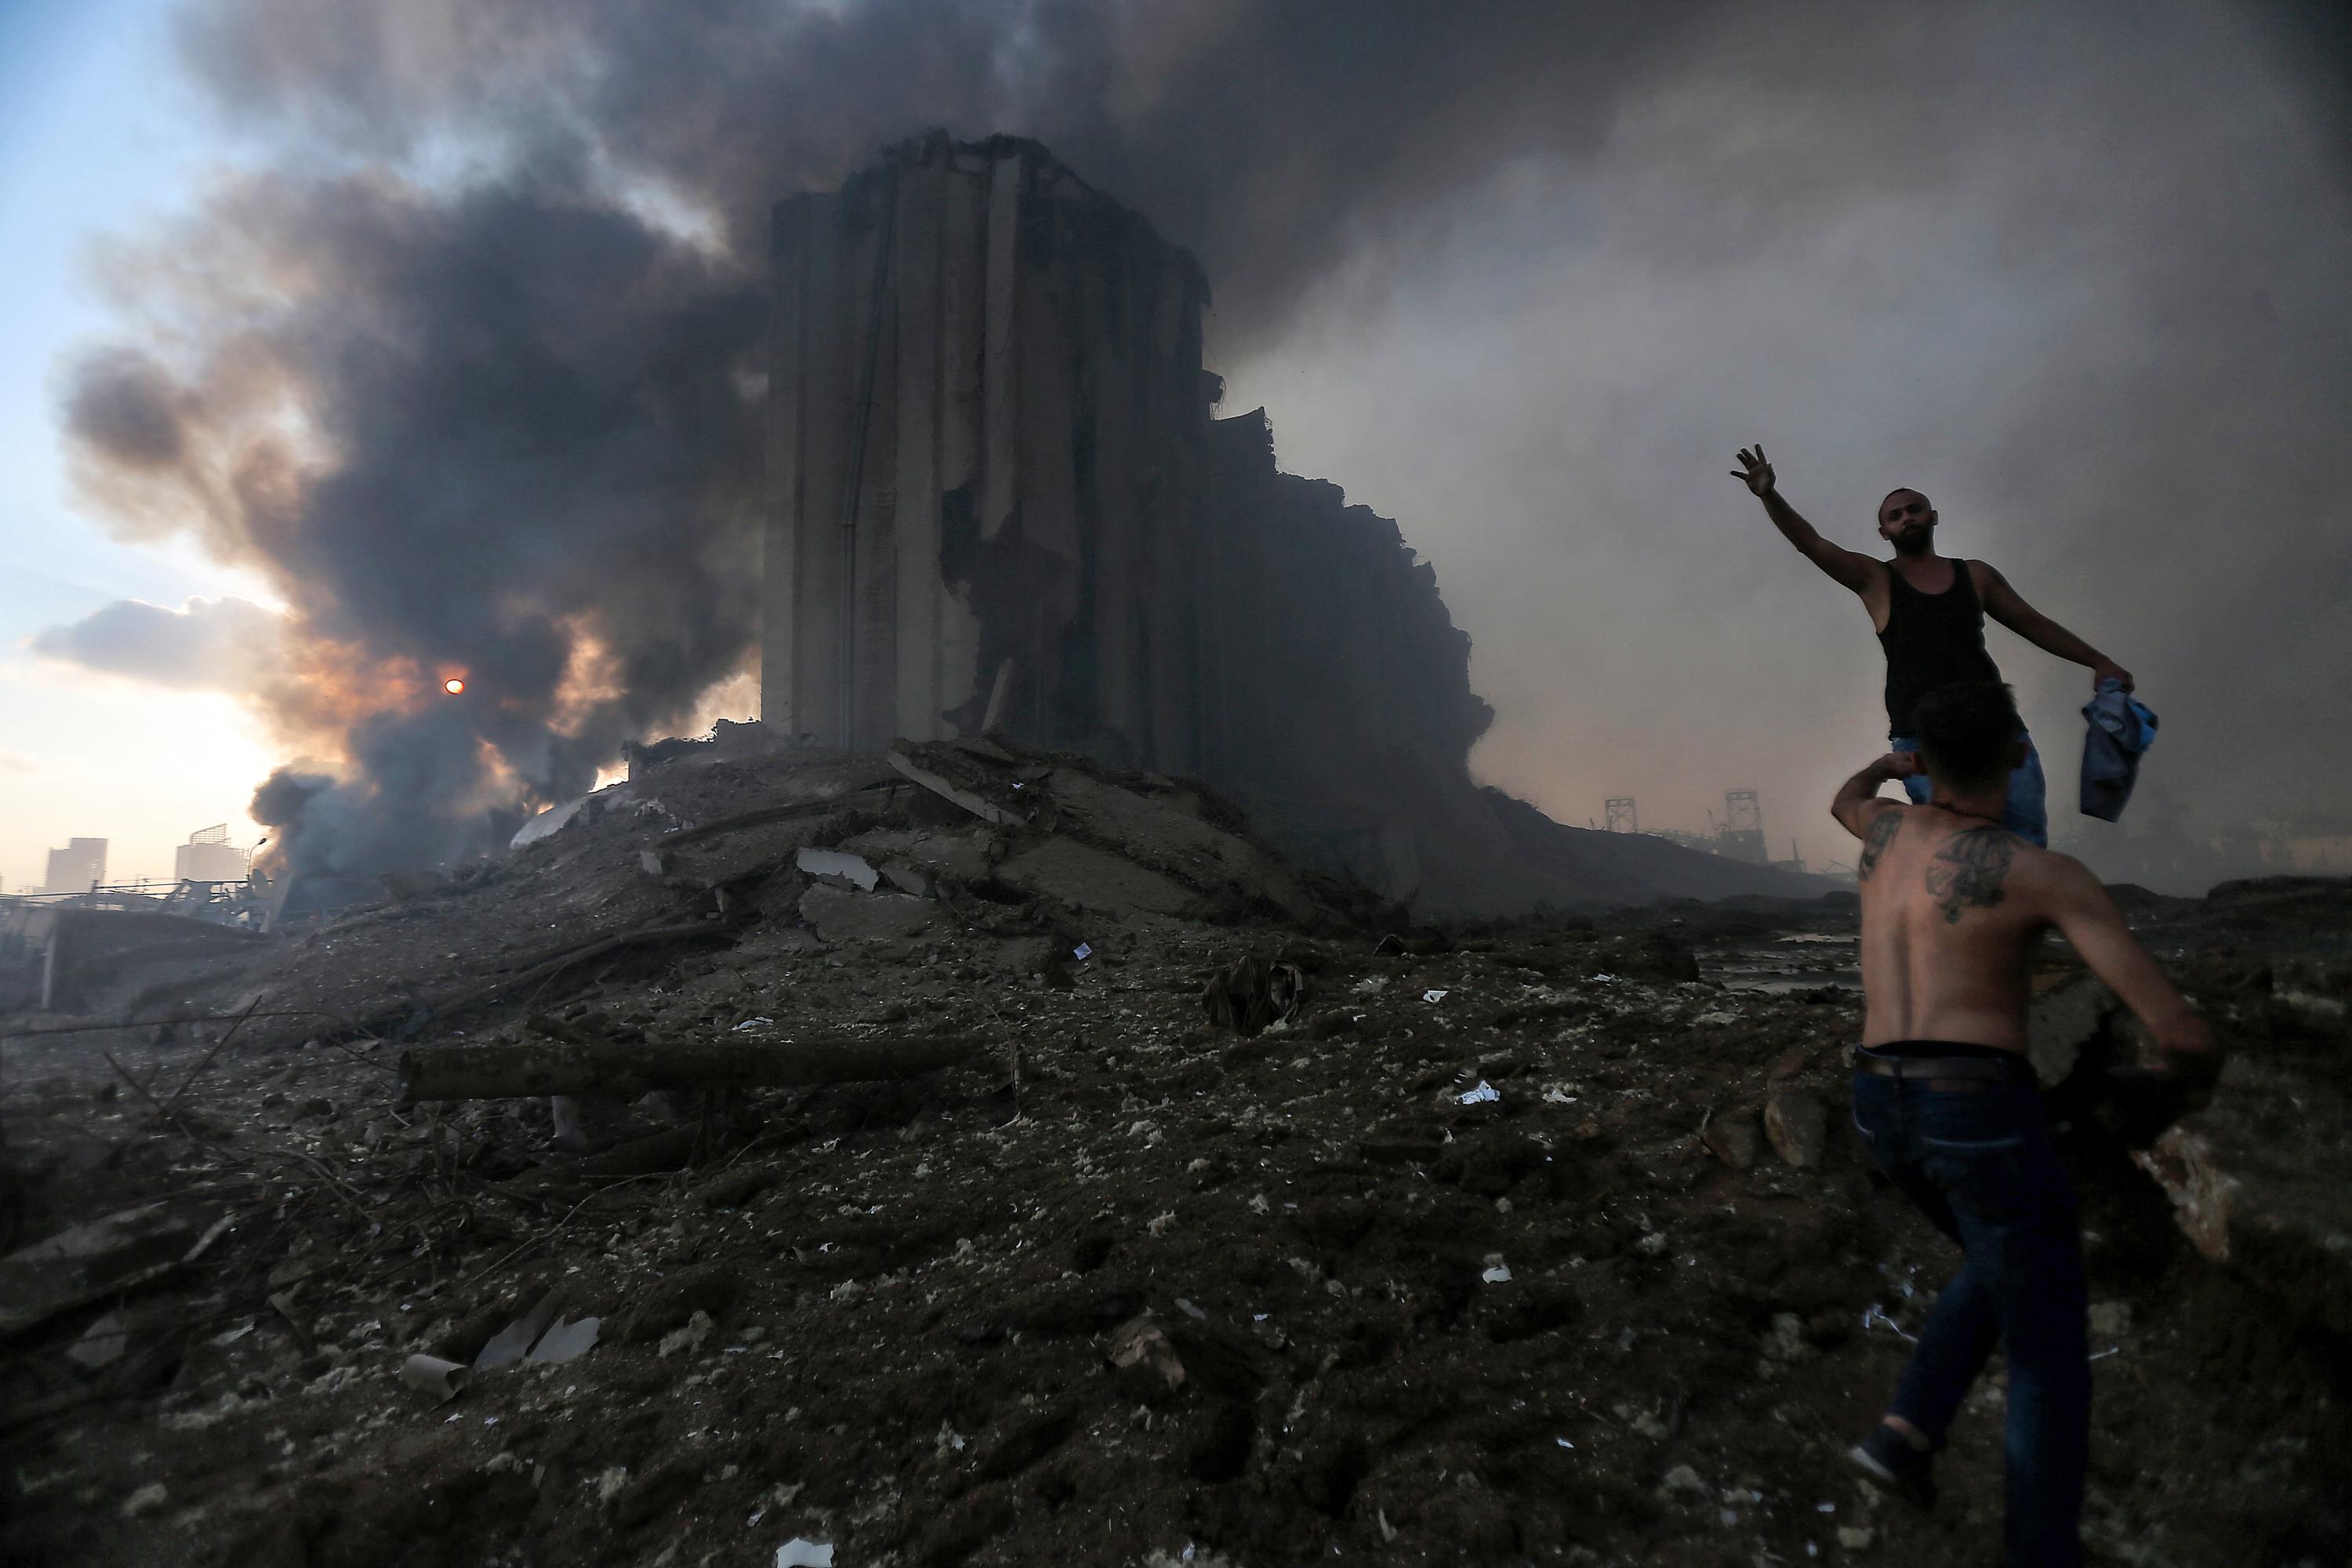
[[2121, 728]]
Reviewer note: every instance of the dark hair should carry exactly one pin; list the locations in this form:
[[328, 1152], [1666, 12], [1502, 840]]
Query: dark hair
[[1965, 730], [1903, 490]]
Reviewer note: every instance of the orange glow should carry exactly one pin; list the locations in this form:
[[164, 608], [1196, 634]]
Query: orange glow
[[453, 686]]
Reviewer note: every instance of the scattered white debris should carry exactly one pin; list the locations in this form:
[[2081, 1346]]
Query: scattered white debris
[[1876, 1314], [799, 1551], [688, 1339], [444, 1380], [1082, 951], [1432, 996], [1485, 1093], [146, 1499], [566, 1342], [1162, 1224], [609, 1484], [854, 868], [1682, 1480], [761, 1023]]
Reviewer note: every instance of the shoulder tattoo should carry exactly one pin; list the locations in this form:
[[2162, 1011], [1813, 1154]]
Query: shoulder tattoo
[[1874, 840], [1967, 871]]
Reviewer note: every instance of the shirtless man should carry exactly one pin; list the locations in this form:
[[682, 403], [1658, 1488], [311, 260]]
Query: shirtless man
[[1929, 612], [1952, 906]]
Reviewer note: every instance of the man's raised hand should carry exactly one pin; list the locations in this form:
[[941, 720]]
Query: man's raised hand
[[1758, 476]]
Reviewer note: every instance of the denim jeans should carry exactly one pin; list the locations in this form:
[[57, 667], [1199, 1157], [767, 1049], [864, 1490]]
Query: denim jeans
[[2027, 810], [1980, 1164]]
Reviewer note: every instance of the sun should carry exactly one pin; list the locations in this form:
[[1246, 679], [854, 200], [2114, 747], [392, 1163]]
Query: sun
[[453, 686]]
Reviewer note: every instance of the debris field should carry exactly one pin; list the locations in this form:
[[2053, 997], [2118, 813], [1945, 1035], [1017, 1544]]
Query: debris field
[[1080, 1181]]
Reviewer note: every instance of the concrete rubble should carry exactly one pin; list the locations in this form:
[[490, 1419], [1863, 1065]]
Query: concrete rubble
[[1204, 1230]]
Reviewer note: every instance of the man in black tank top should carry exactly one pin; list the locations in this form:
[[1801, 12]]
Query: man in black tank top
[[1929, 611]]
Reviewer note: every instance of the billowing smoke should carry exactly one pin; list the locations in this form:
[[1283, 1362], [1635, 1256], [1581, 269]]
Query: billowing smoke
[[468, 359], [467, 362]]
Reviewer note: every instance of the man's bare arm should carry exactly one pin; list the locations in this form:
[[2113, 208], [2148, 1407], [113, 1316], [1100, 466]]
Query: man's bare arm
[[2084, 913], [2005, 604], [1857, 800], [1851, 569]]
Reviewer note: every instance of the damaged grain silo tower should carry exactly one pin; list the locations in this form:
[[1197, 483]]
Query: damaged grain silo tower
[[996, 495], [987, 462]]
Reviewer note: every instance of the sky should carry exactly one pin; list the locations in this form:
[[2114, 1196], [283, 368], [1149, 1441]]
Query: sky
[[347, 332], [93, 135]]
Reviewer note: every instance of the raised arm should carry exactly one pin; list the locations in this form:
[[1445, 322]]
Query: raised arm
[[1851, 569], [2004, 604], [1857, 804], [2084, 913]]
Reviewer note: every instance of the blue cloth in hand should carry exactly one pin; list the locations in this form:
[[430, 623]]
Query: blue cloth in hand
[[2121, 728]]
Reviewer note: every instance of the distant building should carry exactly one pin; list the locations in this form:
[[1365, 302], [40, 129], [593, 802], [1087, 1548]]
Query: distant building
[[209, 857], [78, 867]]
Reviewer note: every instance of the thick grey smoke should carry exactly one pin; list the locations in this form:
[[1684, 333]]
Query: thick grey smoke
[[468, 363], [2076, 271]]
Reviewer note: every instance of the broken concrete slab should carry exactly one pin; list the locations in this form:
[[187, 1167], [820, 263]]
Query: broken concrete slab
[[1167, 833], [1798, 1124], [1094, 880], [836, 863], [1731, 1138], [964, 856], [2065, 1016], [840, 915], [983, 809], [76, 1267]]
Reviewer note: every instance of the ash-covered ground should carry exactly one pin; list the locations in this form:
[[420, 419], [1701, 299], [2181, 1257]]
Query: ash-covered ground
[[1536, 1244]]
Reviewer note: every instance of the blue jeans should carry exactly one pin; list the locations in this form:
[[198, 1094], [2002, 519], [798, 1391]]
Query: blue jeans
[[2027, 811], [1980, 1164]]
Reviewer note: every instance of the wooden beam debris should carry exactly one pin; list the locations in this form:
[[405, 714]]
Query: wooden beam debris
[[625, 1071]]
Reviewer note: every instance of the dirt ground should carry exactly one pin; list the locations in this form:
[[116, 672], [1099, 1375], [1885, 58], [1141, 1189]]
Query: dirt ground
[[1486, 1254]]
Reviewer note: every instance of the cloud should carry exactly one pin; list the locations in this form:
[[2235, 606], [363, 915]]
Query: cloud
[[209, 645]]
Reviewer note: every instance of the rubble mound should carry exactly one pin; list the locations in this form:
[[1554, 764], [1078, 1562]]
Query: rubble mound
[[1482, 1245]]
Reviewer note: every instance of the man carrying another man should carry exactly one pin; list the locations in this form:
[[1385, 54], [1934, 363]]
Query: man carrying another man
[[1930, 612], [1953, 904]]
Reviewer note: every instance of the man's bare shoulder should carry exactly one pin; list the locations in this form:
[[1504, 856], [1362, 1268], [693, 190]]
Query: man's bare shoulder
[[2047, 876], [1988, 868]]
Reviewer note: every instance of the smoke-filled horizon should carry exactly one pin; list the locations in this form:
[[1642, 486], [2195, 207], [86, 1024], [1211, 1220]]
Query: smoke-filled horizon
[[465, 358]]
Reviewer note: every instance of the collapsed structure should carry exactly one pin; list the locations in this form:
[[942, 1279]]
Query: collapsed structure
[[997, 497]]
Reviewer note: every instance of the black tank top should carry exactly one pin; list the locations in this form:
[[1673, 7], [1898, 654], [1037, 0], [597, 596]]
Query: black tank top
[[1931, 641]]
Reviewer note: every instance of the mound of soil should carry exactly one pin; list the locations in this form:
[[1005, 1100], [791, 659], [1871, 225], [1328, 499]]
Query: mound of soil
[[1529, 1244]]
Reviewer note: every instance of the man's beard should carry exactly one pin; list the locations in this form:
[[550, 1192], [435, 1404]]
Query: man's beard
[[1914, 538]]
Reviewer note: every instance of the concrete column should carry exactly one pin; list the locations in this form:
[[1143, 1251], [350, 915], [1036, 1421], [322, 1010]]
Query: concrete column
[[1000, 368], [781, 543], [963, 291], [873, 706], [922, 195], [829, 390], [1113, 509]]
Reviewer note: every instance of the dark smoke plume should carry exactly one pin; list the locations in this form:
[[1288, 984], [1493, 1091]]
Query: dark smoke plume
[[466, 362]]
